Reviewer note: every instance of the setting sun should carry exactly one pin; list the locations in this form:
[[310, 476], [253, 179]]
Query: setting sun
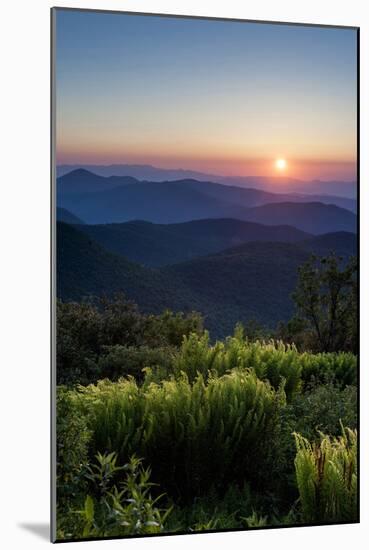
[[280, 164]]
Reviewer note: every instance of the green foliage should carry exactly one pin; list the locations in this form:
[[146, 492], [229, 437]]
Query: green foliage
[[273, 361], [326, 299], [87, 332], [169, 328], [118, 361], [338, 368], [232, 510], [255, 520], [176, 426], [127, 509], [204, 416], [102, 473], [326, 474], [213, 510], [73, 437], [197, 356], [322, 408]]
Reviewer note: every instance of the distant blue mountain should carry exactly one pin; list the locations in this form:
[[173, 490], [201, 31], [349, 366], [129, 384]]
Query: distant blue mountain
[[63, 215], [313, 217], [83, 181], [98, 200], [288, 185]]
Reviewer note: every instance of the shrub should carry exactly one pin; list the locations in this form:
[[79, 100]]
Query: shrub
[[119, 361], [322, 408], [87, 331], [177, 426], [338, 368], [73, 437], [326, 474], [169, 328]]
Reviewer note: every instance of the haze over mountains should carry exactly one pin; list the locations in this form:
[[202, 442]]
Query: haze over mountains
[[152, 173], [313, 217], [120, 199], [229, 252]]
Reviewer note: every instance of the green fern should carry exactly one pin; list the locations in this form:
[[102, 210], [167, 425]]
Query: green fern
[[326, 474], [229, 418]]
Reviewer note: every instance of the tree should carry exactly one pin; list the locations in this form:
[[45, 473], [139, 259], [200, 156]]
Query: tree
[[111, 328], [326, 300]]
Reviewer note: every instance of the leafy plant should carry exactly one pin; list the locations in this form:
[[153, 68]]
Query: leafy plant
[[213, 510], [93, 336], [118, 511], [326, 474], [118, 361], [322, 408], [273, 361], [337, 368], [255, 520], [175, 425], [73, 437]]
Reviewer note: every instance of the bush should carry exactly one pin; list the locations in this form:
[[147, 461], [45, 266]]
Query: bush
[[326, 474], [85, 331], [322, 409], [119, 361], [73, 437], [177, 426], [338, 368]]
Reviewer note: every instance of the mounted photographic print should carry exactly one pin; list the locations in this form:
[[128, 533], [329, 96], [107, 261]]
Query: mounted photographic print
[[205, 285]]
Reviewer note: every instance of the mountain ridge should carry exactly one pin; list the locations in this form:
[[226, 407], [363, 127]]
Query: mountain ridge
[[312, 217], [149, 172], [181, 201], [251, 281], [82, 180], [161, 244]]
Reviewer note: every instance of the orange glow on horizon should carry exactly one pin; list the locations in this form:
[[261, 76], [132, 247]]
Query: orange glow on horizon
[[296, 168]]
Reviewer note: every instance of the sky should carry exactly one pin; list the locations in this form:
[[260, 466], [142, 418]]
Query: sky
[[229, 98]]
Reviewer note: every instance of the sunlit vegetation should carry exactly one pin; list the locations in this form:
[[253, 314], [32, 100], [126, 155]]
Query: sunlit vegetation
[[207, 436], [161, 428]]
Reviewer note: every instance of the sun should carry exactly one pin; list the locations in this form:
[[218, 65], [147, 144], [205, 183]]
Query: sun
[[281, 164]]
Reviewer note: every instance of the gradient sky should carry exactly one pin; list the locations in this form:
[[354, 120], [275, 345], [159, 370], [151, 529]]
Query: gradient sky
[[220, 97]]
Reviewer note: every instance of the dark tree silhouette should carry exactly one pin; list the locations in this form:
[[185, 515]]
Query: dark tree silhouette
[[326, 300]]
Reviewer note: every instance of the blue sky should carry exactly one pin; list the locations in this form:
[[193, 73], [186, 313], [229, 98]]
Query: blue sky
[[219, 96]]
